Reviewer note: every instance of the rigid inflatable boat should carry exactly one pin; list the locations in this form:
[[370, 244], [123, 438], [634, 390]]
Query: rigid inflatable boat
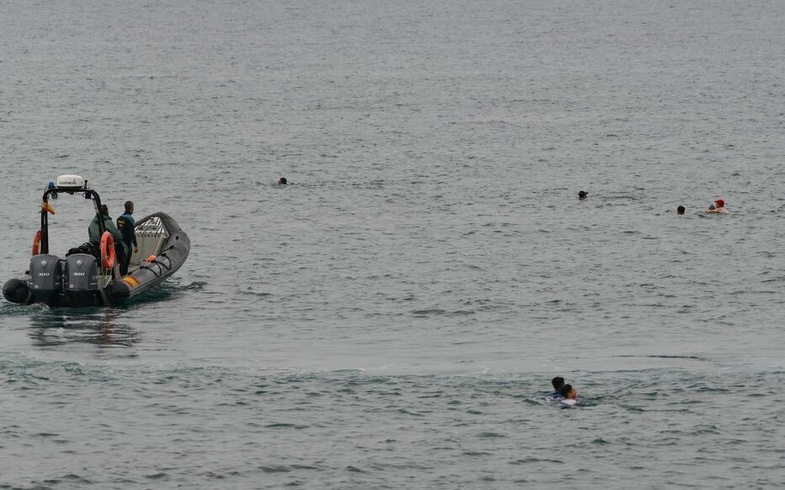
[[85, 276]]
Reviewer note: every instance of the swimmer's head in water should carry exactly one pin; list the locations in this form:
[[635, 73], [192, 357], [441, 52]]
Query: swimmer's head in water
[[569, 392], [583, 195]]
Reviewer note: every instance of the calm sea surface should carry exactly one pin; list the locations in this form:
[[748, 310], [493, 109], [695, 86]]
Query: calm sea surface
[[393, 318]]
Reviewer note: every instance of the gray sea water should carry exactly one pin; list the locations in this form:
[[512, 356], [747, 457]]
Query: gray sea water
[[392, 319]]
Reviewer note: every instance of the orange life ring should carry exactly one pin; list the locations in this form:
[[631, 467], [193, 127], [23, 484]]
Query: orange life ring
[[107, 250], [36, 242]]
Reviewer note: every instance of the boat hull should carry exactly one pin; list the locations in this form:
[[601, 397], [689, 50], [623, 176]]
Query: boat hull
[[152, 273]]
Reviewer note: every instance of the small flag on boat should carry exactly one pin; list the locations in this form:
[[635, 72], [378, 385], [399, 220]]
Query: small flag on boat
[[45, 206]]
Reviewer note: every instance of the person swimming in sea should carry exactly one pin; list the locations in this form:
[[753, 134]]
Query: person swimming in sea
[[558, 385], [717, 208], [569, 397]]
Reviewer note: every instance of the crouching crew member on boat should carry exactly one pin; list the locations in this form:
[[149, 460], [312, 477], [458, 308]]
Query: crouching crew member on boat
[[95, 237], [125, 223]]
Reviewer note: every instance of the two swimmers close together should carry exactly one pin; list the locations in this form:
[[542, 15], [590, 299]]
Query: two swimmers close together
[[718, 207], [564, 394]]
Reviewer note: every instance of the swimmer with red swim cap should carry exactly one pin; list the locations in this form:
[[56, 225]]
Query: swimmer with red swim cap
[[718, 207]]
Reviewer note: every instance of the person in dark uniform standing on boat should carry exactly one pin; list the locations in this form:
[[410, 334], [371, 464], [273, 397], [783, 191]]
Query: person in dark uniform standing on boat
[[125, 223]]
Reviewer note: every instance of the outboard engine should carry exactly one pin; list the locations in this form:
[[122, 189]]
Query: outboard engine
[[82, 280], [46, 279]]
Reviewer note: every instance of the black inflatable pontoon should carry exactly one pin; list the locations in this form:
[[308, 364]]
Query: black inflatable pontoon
[[83, 278]]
